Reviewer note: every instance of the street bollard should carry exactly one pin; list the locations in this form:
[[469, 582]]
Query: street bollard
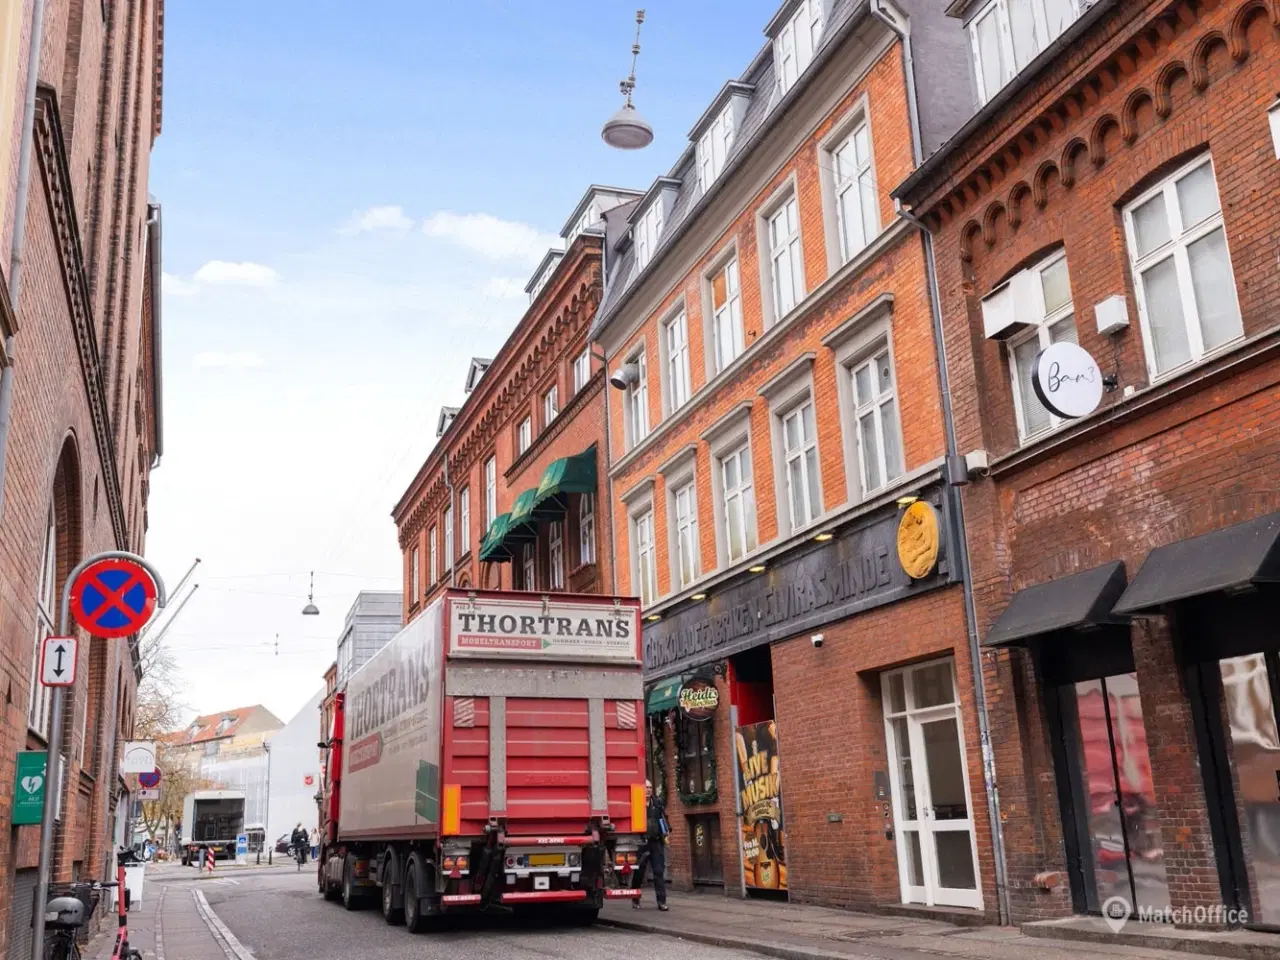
[[209, 858]]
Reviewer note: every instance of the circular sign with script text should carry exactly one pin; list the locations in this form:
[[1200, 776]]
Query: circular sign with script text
[[918, 540], [1067, 380], [698, 699]]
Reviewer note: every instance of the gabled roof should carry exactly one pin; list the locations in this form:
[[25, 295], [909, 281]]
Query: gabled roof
[[593, 191], [544, 268], [223, 725], [478, 366], [446, 417]]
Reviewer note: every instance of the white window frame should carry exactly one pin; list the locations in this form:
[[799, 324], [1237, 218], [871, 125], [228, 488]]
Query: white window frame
[[416, 575], [1181, 239], [861, 184], [636, 401], [714, 146], [448, 538], [744, 492], [797, 42], [684, 525], [581, 370], [555, 554], [644, 556], [529, 566], [887, 472], [39, 712], [675, 341], [524, 435], [433, 538], [1042, 329], [550, 405], [800, 456], [728, 318], [490, 492], [587, 528], [1008, 60], [785, 251], [648, 231], [464, 519]]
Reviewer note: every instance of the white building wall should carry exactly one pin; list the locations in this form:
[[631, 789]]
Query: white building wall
[[295, 758]]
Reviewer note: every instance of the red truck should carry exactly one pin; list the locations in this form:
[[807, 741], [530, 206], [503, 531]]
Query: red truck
[[490, 756]]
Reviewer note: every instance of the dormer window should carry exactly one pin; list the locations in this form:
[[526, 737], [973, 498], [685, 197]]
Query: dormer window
[[1006, 35], [713, 147], [796, 42], [223, 724], [647, 231], [590, 217]]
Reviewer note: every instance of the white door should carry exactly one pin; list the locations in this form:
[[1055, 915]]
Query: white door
[[933, 813]]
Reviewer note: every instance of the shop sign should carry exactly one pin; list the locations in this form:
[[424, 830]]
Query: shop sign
[[859, 570], [764, 856], [1067, 380], [698, 699], [918, 540]]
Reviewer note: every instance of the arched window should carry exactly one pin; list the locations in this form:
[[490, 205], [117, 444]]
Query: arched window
[[38, 713]]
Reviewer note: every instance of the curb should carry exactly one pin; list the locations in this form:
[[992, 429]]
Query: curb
[[720, 940], [1197, 947]]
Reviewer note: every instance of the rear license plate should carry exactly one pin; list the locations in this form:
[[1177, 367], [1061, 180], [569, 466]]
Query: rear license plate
[[546, 859]]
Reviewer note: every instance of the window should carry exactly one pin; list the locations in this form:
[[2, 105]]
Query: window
[[800, 449], [431, 555], [524, 435], [464, 518], [550, 405], [587, 528], [726, 315], [556, 553], [696, 742], [647, 231], [581, 370], [686, 524], [856, 201], [1008, 34], [490, 491], [796, 43], [528, 568], [739, 503], [786, 271], [713, 147], [637, 402], [448, 538], [415, 577], [645, 561], [677, 334], [876, 415], [38, 712], [1181, 269], [1049, 303]]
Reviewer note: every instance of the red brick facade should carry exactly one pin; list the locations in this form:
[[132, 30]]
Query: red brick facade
[[1142, 90], [85, 424]]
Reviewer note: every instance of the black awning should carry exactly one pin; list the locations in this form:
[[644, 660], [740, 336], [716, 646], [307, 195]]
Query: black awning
[[1232, 558], [1080, 600]]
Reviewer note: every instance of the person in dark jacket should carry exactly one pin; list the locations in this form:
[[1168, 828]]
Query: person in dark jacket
[[654, 852], [299, 841]]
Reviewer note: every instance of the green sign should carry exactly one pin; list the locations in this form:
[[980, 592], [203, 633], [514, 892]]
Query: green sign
[[28, 790]]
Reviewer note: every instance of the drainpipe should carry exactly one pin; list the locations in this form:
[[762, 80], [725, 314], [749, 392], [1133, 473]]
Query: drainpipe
[[453, 519], [19, 230], [955, 468], [608, 459]]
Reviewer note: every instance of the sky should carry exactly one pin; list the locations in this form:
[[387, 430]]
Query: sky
[[354, 197]]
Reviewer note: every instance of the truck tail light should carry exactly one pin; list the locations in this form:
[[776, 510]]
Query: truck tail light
[[639, 809], [450, 863], [451, 818]]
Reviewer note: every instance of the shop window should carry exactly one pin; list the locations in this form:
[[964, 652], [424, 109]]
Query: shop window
[[655, 754], [695, 759], [587, 528]]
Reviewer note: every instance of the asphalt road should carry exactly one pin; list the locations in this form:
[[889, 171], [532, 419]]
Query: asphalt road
[[279, 916]]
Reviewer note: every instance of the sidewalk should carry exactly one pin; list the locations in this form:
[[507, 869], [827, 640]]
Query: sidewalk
[[798, 932], [173, 924]]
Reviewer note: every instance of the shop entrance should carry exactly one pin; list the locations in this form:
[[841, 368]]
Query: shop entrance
[[704, 842], [933, 815], [757, 755]]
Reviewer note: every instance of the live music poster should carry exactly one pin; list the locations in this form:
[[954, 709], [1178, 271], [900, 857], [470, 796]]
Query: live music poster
[[763, 834]]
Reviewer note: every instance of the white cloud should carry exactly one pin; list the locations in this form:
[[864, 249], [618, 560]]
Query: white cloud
[[490, 236], [240, 361], [177, 287], [245, 274], [387, 217], [505, 288]]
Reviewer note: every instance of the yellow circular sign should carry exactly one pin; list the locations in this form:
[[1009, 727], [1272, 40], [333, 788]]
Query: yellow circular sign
[[918, 540]]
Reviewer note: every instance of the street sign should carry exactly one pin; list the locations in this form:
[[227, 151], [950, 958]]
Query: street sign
[[139, 757], [58, 661], [113, 597], [149, 779], [145, 796], [28, 790]]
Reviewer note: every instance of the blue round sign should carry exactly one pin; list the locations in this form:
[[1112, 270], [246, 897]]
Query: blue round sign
[[113, 598]]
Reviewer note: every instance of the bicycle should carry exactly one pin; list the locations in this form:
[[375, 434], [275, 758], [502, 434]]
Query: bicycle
[[70, 907], [300, 854]]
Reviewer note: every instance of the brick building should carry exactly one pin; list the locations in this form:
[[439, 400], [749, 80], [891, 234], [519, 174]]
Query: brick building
[[778, 478], [85, 432], [1120, 190], [509, 498]]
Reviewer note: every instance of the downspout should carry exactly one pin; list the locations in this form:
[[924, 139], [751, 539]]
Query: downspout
[[19, 230], [453, 519], [956, 473], [155, 241], [608, 422]]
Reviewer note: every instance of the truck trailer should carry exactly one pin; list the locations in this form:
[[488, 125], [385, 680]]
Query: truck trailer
[[490, 757], [211, 820]]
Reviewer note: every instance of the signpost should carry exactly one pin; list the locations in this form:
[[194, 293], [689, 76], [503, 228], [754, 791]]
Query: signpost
[[111, 595], [58, 661]]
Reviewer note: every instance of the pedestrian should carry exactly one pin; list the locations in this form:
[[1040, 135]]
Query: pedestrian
[[654, 852], [299, 840], [315, 844]]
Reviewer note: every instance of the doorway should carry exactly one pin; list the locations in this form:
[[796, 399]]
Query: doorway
[[704, 844], [933, 814]]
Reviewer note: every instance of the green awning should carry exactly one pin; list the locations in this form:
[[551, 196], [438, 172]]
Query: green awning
[[491, 547], [522, 510], [576, 474], [665, 696]]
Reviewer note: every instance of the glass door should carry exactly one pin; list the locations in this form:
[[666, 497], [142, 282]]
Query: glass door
[[933, 814]]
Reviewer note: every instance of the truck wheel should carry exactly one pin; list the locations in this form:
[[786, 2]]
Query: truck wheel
[[414, 921], [328, 889], [351, 900], [390, 912]]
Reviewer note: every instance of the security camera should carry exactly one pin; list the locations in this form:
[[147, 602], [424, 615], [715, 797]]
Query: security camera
[[817, 639], [625, 375]]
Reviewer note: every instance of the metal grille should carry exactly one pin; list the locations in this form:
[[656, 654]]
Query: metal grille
[[20, 918]]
